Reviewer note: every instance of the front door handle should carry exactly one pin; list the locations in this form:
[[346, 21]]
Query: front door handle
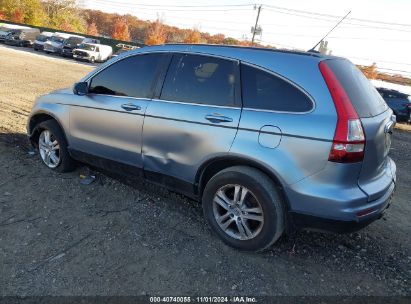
[[130, 107], [216, 118]]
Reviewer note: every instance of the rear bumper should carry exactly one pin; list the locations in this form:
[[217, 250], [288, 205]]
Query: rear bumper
[[332, 200], [375, 208]]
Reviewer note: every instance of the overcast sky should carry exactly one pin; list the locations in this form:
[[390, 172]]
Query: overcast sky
[[386, 41]]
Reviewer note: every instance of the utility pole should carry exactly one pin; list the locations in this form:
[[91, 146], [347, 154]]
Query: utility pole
[[255, 28]]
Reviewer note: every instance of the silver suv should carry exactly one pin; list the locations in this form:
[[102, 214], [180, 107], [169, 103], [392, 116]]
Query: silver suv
[[269, 141]]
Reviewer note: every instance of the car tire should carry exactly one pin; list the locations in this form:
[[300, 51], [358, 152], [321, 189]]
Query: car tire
[[92, 60], [52, 139], [255, 224]]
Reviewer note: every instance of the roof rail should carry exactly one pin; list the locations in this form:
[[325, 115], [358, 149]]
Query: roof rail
[[265, 49]]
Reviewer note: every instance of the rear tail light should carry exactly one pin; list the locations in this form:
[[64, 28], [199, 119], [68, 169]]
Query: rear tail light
[[349, 140]]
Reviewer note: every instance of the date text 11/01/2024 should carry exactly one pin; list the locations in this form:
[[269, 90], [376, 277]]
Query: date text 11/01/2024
[[234, 299]]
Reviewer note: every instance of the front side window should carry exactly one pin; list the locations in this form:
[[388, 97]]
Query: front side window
[[265, 91], [201, 80], [132, 76]]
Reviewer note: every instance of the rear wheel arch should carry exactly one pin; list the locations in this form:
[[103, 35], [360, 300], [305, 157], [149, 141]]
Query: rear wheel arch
[[212, 167]]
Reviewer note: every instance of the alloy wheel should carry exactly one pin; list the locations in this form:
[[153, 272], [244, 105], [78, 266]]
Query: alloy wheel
[[238, 212], [49, 149]]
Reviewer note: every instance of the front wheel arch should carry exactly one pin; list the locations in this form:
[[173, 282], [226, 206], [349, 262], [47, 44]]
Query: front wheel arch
[[35, 121]]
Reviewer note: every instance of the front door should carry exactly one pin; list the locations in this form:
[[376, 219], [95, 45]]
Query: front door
[[108, 121]]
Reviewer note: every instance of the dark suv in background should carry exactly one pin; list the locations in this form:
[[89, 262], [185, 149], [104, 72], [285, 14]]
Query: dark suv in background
[[399, 102], [73, 43]]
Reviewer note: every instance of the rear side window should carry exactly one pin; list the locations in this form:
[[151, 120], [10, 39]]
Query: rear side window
[[364, 97], [132, 76], [201, 80], [265, 91]]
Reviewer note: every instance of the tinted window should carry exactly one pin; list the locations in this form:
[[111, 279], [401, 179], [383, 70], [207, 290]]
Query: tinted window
[[265, 91], [132, 76], [364, 97], [42, 38], [201, 79]]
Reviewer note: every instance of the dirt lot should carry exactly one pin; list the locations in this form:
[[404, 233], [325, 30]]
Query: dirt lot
[[58, 237]]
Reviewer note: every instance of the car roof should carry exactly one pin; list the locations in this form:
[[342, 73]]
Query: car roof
[[234, 49]]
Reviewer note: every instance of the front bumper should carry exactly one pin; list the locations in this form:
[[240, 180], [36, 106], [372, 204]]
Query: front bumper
[[38, 46], [51, 49], [80, 57], [67, 52]]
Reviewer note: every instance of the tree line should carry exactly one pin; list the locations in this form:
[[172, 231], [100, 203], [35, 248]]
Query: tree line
[[66, 15]]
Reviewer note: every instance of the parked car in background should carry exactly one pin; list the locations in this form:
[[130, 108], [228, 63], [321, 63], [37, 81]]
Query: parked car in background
[[118, 52], [4, 31], [123, 48], [3, 34], [38, 44], [70, 44], [7, 29], [22, 37], [93, 52], [55, 43], [91, 40], [260, 164], [399, 102], [74, 42]]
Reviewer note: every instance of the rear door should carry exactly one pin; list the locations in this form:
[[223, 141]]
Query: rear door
[[377, 120], [195, 118]]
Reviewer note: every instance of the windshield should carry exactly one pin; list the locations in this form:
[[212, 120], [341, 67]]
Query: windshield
[[73, 41], [42, 38], [87, 47], [57, 39]]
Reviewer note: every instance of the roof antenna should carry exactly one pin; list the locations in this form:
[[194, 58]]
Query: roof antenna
[[313, 48]]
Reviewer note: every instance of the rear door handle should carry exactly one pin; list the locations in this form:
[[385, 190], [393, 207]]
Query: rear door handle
[[130, 107], [215, 118]]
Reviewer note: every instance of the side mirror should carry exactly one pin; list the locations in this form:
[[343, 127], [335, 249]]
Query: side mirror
[[80, 88]]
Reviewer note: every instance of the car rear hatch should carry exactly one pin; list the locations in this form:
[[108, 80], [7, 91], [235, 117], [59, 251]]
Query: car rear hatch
[[375, 176]]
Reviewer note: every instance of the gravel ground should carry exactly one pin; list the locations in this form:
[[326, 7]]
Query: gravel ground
[[116, 237]]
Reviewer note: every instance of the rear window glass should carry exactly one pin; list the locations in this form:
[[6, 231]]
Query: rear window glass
[[363, 95], [265, 91]]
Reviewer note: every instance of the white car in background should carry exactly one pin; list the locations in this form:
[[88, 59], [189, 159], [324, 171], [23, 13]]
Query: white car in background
[[92, 52]]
